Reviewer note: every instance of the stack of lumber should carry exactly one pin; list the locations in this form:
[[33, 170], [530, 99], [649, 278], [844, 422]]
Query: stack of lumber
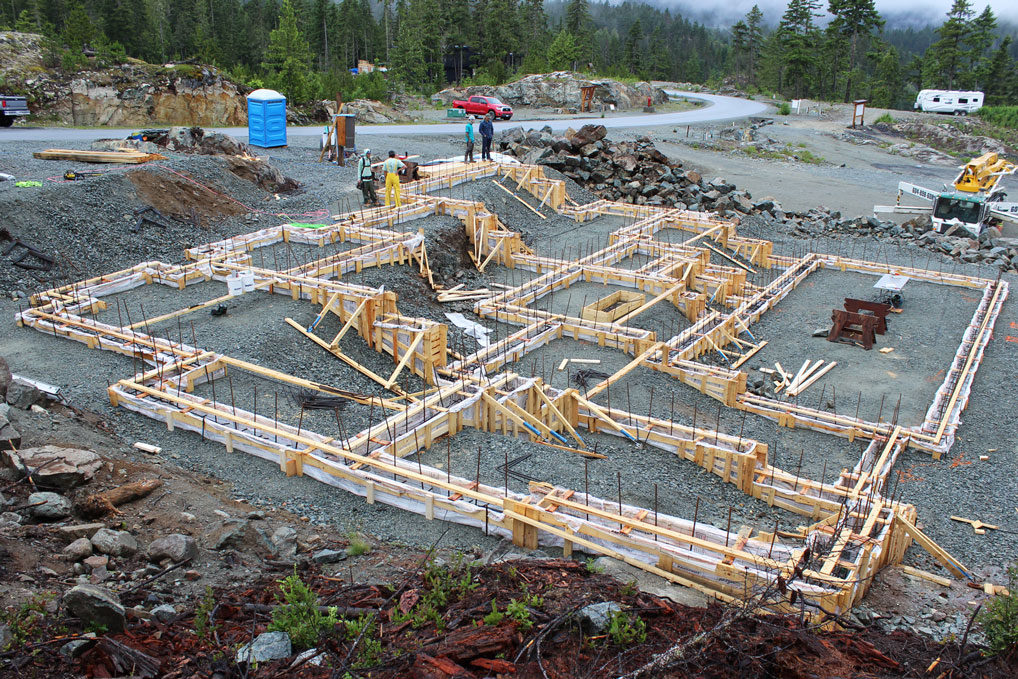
[[457, 294], [808, 374], [127, 156]]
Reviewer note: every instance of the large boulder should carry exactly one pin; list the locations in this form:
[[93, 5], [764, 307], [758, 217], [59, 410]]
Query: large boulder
[[54, 466], [96, 606], [265, 647], [175, 547], [23, 395], [114, 542], [588, 134], [238, 534], [49, 506], [5, 378], [10, 438]]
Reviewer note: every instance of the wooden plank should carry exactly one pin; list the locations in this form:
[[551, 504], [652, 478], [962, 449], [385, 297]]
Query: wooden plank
[[795, 391], [926, 575], [128, 157], [528, 205], [935, 550]]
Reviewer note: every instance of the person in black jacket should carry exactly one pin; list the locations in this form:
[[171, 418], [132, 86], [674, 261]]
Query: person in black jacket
[[487, 131]]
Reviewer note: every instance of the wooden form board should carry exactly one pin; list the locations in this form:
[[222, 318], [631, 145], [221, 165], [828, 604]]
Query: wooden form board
[[862, 530], [126, 157]]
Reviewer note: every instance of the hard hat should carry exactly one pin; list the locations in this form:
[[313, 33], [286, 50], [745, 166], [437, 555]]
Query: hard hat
[[367, 152]]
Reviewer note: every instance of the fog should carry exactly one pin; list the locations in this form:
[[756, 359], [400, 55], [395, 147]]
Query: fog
[[896, 12]]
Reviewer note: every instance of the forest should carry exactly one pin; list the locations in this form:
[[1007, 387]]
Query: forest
[[835, 51]]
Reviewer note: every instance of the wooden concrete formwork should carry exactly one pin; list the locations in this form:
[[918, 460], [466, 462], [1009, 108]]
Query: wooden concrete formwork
[[855, 529]]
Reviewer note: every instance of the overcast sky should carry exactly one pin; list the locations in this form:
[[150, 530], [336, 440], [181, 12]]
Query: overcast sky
[[934, 11]]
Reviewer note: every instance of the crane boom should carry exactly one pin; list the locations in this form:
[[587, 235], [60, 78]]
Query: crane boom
[[982, 175]]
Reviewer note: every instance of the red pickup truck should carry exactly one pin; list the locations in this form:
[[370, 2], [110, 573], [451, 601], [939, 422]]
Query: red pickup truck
[[479, 106]]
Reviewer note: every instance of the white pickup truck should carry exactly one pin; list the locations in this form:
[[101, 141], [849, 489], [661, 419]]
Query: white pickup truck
[[11, 108]]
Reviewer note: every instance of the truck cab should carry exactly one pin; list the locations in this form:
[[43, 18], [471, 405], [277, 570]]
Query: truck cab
[[968, 211], [11, 108]]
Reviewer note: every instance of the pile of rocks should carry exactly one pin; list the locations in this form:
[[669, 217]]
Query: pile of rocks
[[990, 248], [630, 172]]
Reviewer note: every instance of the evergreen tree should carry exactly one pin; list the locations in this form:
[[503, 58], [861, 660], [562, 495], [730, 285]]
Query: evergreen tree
[[408, 50], [855, 20], [578, 23], [981, 39], [288, 58], [739, 47], [1000, 68], [948, 54], [799, 41], [562, 52], [888, 78], [754, 40], [79, 29], [633, 56]]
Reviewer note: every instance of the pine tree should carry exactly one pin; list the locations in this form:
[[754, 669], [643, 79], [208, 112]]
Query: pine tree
[[855, 20], [888, 78], [79, 29], [578, 23], [408, 50], [949, 52], [981, 39], [799, 40], [739, 41], [562, 52], [633, 58], [288, 58], [754, 40], [1000, 67]]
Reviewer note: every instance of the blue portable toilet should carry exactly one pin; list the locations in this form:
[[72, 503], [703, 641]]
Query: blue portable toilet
[[266, 118]]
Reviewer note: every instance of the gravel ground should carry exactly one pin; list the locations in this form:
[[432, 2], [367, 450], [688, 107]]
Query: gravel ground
[[983, 490]]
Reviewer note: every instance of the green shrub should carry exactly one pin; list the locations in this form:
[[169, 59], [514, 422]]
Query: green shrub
[[518, 611], [203, 624], [369, 648], [1000, 617], [784, 109], [445, 582], [1004, 116], [625, 629], [495, 616], [886, 118], [23, 622], [298, 614]]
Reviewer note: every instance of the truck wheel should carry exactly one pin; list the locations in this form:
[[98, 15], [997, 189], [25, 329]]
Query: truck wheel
[[6, 121]]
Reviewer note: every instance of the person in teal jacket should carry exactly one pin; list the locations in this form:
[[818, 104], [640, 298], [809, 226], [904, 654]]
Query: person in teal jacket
[[468, 157]]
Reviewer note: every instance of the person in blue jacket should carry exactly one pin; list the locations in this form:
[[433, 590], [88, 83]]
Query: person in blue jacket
[[487, 131], [468, 157]]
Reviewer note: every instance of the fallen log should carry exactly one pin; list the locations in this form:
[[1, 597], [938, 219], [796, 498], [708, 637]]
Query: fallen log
[[106, 502]]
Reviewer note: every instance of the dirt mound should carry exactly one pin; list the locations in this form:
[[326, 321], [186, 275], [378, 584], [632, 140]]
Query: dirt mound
[[177, 195], [261, 174]]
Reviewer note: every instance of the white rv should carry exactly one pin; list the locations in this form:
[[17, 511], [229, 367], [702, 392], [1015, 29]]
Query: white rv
[[948, 101]]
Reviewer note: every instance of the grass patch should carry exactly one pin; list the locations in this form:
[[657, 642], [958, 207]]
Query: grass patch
[[787, 152], [886, 118], [1001, 116], [358, 545]]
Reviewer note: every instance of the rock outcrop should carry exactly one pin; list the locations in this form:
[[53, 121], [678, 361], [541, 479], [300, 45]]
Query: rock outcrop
[[127, 95], [560, 90]]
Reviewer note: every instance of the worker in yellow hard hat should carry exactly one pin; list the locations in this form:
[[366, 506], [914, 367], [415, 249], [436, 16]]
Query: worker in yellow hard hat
[[391, 167]]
